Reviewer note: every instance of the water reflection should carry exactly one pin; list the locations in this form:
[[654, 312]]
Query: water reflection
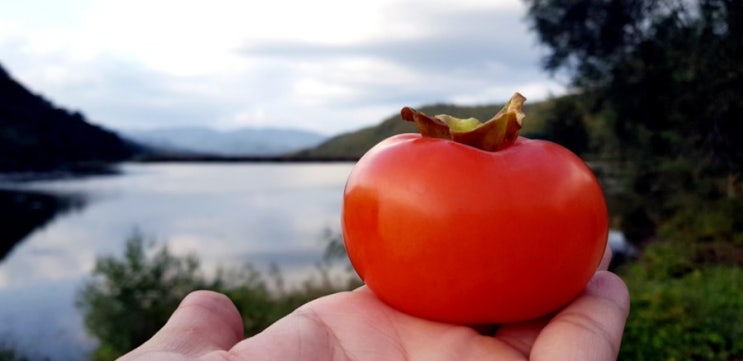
[[226, 214], [22, 212]]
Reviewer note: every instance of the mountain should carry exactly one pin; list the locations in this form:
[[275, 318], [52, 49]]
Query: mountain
[[36, 135], [240, 142], [353, 145]]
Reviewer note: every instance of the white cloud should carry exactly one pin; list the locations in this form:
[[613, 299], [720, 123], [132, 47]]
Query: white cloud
[[246, 118], [326, 65]]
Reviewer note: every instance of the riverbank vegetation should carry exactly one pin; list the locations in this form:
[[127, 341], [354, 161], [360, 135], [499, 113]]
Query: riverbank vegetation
[[129, 297]]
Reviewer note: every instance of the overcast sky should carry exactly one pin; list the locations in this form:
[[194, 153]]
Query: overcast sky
[[324, 65]]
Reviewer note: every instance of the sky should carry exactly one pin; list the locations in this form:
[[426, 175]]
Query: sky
[[328, 66]]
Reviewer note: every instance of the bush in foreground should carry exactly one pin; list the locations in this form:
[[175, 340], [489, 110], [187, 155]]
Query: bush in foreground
[[681, 309], [128, 299]]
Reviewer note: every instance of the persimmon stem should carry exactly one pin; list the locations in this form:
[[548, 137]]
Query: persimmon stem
[[497, 133]]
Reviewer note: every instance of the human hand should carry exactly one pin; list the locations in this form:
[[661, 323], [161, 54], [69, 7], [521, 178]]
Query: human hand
[[357, 326]]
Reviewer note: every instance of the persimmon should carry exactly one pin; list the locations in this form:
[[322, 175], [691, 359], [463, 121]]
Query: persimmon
[[471, 223]]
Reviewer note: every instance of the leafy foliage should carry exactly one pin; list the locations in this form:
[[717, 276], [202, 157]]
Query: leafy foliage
[[666, 75], [671, 71], [129, 298], [681, 310], [565, 124]]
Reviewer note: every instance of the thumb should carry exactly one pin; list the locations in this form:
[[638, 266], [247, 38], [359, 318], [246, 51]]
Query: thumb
[[591, 327], [205, 321]]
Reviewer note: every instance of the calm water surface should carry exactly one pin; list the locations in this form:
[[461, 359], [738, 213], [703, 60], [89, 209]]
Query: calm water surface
[[227, 214]]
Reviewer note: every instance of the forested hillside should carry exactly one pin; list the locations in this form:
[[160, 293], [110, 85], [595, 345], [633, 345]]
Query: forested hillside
[[36, 135], [353, 145]]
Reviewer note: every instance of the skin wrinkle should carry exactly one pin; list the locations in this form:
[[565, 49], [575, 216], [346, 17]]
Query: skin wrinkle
[[520, 345], [592, 325], [487, 353], [522, 336], [470, 350], [588, 324], [298, 335], [395, 338], [397, 335], [464, 343], [223, 355], [332, 341], [429, 344]]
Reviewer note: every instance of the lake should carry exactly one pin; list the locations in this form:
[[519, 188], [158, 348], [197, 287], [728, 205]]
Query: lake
[[228, 214]]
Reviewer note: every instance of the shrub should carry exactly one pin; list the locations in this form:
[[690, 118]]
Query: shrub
[[682, 310], [129, 299]]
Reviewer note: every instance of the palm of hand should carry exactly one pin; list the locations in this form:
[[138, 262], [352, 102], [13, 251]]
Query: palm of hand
[[357, 326]]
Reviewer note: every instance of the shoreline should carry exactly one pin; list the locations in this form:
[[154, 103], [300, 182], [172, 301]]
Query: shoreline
[[241, 158], [80, 170], [67, 171]]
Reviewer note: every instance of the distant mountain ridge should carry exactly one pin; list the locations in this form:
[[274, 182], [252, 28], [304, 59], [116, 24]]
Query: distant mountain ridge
[[239, 142], [354, 144], [36, 135]]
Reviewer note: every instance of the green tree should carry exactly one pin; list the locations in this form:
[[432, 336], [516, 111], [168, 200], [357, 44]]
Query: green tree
[[664, 66], [670, 74], [566, 125]]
